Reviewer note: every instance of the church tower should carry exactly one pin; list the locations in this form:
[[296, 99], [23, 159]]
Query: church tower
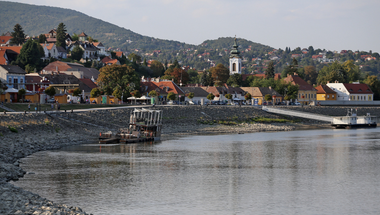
[[235, 60]]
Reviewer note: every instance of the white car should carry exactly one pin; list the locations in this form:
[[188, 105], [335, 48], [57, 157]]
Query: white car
[[191, 102], [170, 102], [297, 103]]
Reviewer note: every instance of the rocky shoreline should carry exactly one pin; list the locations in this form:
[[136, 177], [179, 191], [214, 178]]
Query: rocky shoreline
[[38, 132]]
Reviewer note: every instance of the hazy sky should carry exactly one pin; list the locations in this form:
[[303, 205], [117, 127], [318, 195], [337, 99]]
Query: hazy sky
[[329, 24]]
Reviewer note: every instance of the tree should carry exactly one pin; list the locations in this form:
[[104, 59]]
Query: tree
[[248, 96], [21, 93], [153, 93], [269, 72], [171, 96], [311, 74], [291, 69], [373, 83], [292, 91], [42, 38], [235, 80], [157, 68], [210, 96], [61, 36], [353, 71], [76, 92], [206, 79], [268, 97], [228, 96], [95, 92], [190, 95], [50, 91], [77, 53], [220, 74], [193, 76], [136, 94], [180, 76], [75, 37], [134, 58], [145, 63], [30, 54], [18, 36], [333, 72], [118, 76]]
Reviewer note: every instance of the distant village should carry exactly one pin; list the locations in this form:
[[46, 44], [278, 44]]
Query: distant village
[[173, 83]]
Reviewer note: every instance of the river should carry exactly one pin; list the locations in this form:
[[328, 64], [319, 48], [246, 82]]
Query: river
[[297, 172]]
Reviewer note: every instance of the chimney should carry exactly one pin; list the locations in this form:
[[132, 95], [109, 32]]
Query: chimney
[[295, 73]]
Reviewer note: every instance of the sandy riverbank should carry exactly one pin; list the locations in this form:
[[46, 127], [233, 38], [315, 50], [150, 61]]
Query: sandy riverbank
[[39, 132]]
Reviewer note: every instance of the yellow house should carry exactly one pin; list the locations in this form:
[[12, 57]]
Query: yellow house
[[32, 97], [306, 93], [104, 99], [61, 98], [325, 93], [5, 97], [260, 92]]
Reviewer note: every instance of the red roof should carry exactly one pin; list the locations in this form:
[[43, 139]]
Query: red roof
[[358, 88], [49, 46], [323, 89], [82, 35], [88, 82], [4, 39], [2, 58], [296, 80], [16, 49], [57, 66], [108, 60], [164, 87], [119, 54], [317, 56]]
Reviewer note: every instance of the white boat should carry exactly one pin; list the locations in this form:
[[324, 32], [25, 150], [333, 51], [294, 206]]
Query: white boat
[[354, 121]]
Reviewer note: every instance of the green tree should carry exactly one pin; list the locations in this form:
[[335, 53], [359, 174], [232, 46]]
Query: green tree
[[193, 75], [331, 73], [77, 53], [153, 93], [30, 54], [21, 93], [210, 97], [171, 96], [220, 74], [292, 91], [268, 97], [248, 96], [352, 70], [118, 76], [18, 36], [311, 74], [75, 37], [50, 91], [157, 68], [228, 96], [373, 82], [190, 95], [235, 80], [42, 38], [134, 58], [61, 36], [76, 92], [269, 72], [206, 79], [95, 92]]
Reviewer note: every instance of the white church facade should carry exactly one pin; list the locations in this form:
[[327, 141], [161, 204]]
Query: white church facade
[[235, 60]]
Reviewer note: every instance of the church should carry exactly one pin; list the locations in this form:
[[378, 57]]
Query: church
[[235, 60]]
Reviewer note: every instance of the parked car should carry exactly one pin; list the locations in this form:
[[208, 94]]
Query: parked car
[[170, 102], [191, 102], [297, 103], [51, 100]]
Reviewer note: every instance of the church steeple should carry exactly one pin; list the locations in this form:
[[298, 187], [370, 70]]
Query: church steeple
[[235, 59]]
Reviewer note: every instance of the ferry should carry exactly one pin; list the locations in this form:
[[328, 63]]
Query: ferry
[[144, 125], [354, 121]]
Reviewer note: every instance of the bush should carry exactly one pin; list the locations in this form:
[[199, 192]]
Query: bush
[[13, 129]]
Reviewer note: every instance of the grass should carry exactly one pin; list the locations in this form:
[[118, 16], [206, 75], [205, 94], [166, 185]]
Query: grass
[[20, 107], [269, 120], [234, 121]]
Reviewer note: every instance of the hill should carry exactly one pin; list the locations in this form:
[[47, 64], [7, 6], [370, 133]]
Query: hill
[[36, 20]]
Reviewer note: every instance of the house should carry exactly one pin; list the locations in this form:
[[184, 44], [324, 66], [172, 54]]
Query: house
[[260, 92], [306, 93], [34, 82], [62, 53], [324, 93], [108, 61], [220, 92], [63, 83], [199, 94], [50, 50], [119, 54], [7, 56], [5, 40], [162, 87], [89, 50], [13, 76], [352, 92], [76, 69], [101, 49]]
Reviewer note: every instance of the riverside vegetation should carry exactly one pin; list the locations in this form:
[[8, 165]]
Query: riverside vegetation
[[37, 132]]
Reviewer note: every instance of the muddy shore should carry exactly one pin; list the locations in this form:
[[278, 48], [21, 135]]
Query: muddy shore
[[38, 132]]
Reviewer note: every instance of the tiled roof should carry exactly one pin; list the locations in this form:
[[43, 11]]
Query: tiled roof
[[88, 82], [31, 78], [323, 89], [296, 80], [3, 61], [13, 69], [119, 54], [5, 39], [65, 79], [82, 35], [51, 40], [164, 87], [198, 91], [108, 60], [49, 46], [16, 49], [64, 66], [358, 88], [261, 91]]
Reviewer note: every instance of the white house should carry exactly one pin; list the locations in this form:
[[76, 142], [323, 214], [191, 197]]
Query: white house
[[101, 49], [352, 92], [50, 50]]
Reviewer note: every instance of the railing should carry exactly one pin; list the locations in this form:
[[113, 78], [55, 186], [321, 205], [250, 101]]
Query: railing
[[298, 114]]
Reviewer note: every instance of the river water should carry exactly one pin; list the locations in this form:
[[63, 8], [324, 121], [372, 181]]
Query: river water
[[297, 172]]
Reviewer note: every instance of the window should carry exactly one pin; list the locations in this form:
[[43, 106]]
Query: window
[[10, 81], [332, 96], [234, 67], [369, 98], [328, 96]]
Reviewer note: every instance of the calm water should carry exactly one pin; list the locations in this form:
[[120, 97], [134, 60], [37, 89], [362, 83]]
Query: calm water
[[299, 172]]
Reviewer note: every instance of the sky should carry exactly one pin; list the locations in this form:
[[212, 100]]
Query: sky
[[326, 24]]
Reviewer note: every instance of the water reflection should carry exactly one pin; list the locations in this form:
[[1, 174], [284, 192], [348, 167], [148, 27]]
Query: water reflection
[[305, 172]]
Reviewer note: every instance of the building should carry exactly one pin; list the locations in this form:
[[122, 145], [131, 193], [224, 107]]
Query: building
[[352, 92], [108, 61], [235, 60], [260, 92], [50, 50], [5, 40], [199, 94], [76, 69], [307, 94], [162, 87], [101, 49], [13, 76], [324, 93]]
